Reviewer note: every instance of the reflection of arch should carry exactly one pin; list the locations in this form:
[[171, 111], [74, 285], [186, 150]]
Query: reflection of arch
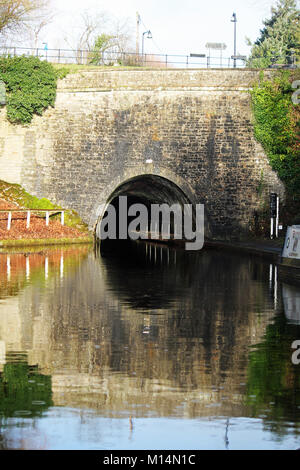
[[147, 189]]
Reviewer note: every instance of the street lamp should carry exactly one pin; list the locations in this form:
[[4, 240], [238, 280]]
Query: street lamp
[[234, 20], [149, 36]]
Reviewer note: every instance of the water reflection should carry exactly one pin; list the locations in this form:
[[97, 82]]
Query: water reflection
[[23, 390], [291, 301], [146, 331]]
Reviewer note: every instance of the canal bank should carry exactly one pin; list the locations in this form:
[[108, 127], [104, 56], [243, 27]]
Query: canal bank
[[270, 249], [25, 243]]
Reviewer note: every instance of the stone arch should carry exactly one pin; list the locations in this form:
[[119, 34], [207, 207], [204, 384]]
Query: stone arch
[[103, 197], [147, 188]]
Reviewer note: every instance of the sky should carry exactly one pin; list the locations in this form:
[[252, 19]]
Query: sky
[[177, 26]]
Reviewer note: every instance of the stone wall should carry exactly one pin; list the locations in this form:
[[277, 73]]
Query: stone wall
[[194, 127]]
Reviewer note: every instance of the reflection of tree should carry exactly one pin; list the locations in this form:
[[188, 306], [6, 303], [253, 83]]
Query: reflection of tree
[[272, 378], [24, 392]]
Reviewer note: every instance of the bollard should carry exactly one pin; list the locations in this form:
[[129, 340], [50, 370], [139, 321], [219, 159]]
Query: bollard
[[28, 220]]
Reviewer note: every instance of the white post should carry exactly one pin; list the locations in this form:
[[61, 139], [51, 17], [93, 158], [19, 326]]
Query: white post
[[47, 219], [9, 221], [28, 219], [277, 217], [62, 218]]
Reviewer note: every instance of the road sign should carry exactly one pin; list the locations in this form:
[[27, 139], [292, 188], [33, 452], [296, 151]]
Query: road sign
[[239, 57], [273, 205], [216, 45]]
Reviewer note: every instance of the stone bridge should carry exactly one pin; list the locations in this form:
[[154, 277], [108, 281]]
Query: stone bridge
[[154, 135]]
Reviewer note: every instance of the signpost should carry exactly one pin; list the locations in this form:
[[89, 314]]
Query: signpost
[[219, 46]]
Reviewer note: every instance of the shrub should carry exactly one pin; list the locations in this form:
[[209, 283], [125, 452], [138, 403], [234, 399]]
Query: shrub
[[30, 86]]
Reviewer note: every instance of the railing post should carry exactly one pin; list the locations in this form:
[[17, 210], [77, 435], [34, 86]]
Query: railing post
[[47, 218], [187, 61], [28, 220], [9, 221], [62, 218], [166, 61], [59, 56]]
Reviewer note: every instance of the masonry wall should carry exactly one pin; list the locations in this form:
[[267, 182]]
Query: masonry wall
[[191, 127]]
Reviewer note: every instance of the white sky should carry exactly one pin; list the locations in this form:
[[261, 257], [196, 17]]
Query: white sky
[[177, 26]]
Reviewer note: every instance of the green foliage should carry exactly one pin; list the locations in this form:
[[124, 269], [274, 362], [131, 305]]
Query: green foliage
[[102, 44], [276, 127], [30, 86], [62, 72], [279, 36]]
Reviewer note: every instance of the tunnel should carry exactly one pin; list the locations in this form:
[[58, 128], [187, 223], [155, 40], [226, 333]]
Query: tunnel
[[147, 190]]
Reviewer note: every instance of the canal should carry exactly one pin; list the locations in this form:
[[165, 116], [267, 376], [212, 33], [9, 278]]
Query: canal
[[146, 347]]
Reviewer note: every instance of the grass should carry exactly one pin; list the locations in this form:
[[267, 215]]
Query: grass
[[45, 242]]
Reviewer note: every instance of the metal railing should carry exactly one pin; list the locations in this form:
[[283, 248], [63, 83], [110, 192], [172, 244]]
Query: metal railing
[[120, 58]]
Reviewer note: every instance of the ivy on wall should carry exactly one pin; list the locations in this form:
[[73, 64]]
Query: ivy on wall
[[277, 127], [30, 87]]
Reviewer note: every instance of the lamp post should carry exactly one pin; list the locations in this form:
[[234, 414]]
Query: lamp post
[[149, 36], [234, 20]]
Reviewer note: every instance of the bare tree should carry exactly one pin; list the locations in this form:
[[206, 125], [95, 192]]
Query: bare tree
[[17, 15], [36, 27], [123, 32], [98, 32], [90, 25]]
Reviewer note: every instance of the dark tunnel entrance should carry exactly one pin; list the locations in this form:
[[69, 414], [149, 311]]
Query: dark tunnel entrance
[[148, 191]]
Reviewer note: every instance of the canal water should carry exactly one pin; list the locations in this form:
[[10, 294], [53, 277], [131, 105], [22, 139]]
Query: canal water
[[147, 347]]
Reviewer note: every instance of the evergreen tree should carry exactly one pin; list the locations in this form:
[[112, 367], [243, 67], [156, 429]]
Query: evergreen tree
[[279, 37]]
